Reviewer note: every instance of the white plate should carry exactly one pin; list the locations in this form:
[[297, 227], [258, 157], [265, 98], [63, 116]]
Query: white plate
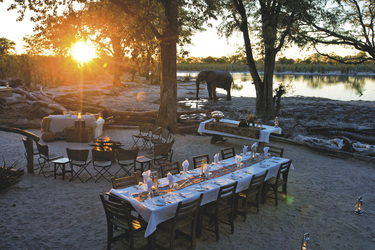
[[160, 202], [200, 189]]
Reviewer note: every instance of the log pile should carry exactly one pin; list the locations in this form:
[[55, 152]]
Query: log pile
[[9, 176]]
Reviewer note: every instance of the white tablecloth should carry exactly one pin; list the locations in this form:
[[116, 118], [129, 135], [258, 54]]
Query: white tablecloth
[[155, 214], [60, 122], [264, 133]]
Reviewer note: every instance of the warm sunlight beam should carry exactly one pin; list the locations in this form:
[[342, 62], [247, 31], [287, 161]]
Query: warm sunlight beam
[[83, 52]]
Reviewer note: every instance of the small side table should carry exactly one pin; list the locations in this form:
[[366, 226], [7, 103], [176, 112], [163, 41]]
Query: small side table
[[143, 160], [60, 163]]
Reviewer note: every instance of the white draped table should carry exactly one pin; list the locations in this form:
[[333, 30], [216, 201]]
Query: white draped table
[[264, 133], [155, 213]]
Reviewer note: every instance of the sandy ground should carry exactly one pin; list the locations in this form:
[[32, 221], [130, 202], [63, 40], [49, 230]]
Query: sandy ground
[[47, 213]]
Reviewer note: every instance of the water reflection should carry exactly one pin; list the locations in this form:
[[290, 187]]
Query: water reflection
[[337, 87]]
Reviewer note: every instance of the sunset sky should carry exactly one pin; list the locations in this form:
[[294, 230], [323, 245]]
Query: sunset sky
[[206, 43]]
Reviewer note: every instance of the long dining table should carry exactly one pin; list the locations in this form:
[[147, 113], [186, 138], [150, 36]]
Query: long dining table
[[158, 208]]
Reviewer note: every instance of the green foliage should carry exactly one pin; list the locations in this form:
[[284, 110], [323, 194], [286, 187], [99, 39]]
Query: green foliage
[[50, 71], [6, 46]]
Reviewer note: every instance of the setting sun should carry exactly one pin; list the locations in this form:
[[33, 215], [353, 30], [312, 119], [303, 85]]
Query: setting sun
[[83, 52]]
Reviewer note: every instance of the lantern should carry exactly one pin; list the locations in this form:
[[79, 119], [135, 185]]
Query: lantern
[[305, 241], [358, 206]]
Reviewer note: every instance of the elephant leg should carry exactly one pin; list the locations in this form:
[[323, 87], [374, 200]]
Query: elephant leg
[[214, 94], [209, 91], [228, 95]]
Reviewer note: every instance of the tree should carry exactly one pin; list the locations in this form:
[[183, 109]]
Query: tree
[[171, 22], [272, 22], [6, 46], [347, 23]]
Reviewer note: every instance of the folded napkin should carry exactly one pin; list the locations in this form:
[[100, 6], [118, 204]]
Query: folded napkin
[[254, 147], [150, 183], [244, 150], [265, 150], [146, 176], [216, 158], [238, 159], [185, 166], [170, 179]]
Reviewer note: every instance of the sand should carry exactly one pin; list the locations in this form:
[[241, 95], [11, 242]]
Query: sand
[[48, 213]]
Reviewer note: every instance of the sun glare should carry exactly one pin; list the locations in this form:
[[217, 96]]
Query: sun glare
[[83, 52]]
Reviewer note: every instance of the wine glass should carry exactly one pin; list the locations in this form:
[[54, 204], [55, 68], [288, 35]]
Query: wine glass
[[170, 187]]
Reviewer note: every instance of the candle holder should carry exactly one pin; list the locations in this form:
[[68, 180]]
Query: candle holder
[[358, 206], [276, 122], [305, 241]]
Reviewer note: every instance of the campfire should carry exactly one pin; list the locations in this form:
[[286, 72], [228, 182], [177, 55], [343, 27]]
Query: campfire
[[106, 144]]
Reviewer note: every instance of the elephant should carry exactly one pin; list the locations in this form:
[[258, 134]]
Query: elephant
[[215, 79]]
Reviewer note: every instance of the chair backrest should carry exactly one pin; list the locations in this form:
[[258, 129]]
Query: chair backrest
[[185, 210], [127, 154], [77, 154], [144, 128], [99, 155], [256, 183], [276, 151], [124, 182], [283, 172], [156, 131], [227, 153], [165, 134], [226, 193], [43, 150], [116, 211], [162, 149], [173, 168], [200, 159]]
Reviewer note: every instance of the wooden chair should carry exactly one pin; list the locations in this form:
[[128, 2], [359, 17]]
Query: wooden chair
[[201, 159], [102, 162], [222, 207], [183, 223], [126, 159], [162, 153], [118, 215], [273, 184], [251, 195], [172, 167], [275, 151], [143, 136], [124, 182], [227, 153], [45, 157], [78, 158]]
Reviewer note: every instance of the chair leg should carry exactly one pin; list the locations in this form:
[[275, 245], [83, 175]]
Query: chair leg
[[276, 198], [216, 221]]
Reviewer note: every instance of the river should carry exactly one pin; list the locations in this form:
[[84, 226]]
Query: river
[[332, 86]]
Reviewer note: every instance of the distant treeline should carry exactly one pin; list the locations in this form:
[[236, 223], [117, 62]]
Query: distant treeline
[[313, 64], [48, 70]]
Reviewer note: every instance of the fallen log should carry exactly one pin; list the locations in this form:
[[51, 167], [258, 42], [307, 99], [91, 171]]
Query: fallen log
[[367, 136]]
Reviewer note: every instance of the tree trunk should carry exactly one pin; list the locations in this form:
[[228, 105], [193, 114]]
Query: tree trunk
[[167, 116], [117, 60], [268, 110]]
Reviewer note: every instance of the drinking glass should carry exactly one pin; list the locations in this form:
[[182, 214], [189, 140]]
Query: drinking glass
[[170, 188]]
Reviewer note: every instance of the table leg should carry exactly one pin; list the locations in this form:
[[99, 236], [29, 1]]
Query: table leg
[[216, 138], [54, 170]]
